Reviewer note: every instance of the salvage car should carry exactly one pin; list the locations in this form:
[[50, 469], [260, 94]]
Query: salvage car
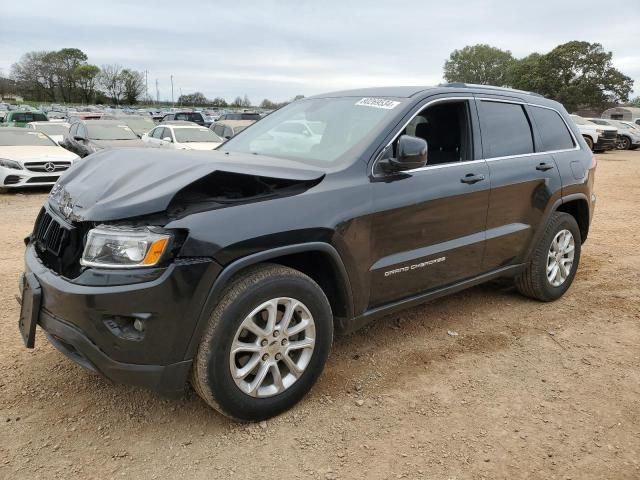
[[21, 118], [55, 130], [182, 137], [89, 136], [30, 159], [628, 137], [234, 268], [607, 138]]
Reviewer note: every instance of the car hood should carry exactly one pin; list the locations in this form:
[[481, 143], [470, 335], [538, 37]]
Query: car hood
[[22, 153], [119, 184], [135, 142]]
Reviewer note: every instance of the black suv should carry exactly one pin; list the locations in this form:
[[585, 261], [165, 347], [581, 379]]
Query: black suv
[[233, 268]]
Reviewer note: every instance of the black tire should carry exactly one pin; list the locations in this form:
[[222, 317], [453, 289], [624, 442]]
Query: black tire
[[211, 375], [623, 143], [589, 142], [533, 281]]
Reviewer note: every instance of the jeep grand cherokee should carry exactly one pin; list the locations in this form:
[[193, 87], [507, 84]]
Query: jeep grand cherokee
[[233, 268]]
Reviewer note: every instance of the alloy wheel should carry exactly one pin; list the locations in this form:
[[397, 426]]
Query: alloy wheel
[[272, 347], [560, 258]]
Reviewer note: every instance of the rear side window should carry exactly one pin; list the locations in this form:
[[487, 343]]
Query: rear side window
[[554, 133], [505, 129]]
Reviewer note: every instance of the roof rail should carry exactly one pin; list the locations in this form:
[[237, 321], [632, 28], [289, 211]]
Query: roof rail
[[487, 87]]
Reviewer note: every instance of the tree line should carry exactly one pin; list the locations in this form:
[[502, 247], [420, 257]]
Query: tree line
[[66, 76], [580, 75], [199, 99]]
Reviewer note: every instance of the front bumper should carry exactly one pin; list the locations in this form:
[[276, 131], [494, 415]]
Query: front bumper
[[12, 178], [93, 323], [605, 143]]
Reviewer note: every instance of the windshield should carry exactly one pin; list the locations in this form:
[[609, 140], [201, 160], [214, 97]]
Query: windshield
[[140, 124], [31, 138], [110, 132], [189, 135], [53, 128], [322, 131]]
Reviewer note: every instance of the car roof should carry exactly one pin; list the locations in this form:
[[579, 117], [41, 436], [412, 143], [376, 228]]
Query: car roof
[[102, 122]]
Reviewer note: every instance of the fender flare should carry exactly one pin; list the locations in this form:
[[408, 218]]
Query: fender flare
[[230, 270]]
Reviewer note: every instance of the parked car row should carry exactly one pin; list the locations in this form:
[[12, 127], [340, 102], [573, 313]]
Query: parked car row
[[606, 134]]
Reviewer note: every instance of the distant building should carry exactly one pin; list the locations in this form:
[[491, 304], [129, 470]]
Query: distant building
[[12, 98], [622, 113]]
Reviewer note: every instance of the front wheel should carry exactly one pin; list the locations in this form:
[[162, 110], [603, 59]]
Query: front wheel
[[265, 345], [589, 142], [554, 261]]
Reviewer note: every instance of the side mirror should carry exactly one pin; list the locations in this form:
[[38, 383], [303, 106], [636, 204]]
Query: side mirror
[[412, 153], [167, 139], [79, 138]]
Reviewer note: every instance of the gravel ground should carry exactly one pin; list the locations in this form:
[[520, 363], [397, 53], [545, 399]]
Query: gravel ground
[[525, 390]]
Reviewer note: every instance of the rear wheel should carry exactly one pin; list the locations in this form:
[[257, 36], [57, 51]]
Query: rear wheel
[[623, 143], [554, 261], [589, 142], [265, 345]]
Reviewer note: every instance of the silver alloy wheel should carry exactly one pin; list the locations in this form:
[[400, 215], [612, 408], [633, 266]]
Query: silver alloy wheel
[[560, 257], [272, 347]]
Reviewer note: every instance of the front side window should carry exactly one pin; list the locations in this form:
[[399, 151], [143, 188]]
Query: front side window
[[348, 125], [157, 132], [505, 129], [554, 133]]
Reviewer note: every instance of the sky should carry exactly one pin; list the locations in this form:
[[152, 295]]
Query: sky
[[279, 49]]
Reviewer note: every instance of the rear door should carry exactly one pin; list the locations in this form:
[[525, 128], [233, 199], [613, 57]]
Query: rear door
[[524, 179], [429, 231]]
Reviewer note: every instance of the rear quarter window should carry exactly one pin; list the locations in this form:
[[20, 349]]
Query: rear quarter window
[[553, 132], [505, 129]]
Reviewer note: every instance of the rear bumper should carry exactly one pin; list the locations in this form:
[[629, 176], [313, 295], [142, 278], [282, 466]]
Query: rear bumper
[[93, 323]]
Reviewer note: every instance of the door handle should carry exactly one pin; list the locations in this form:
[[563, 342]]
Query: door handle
[[471, 178], [543, 167]]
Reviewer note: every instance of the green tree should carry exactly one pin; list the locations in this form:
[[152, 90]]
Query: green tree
[[65, 62], [36, 75], [132, 85], [86, 79], [219, 102], [481, 64], [635, 102], [196, 98], [576, 74], [268, 104]]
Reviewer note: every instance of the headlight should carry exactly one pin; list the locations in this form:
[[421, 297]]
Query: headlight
[[117, 247], [599, 130], [5, 162]]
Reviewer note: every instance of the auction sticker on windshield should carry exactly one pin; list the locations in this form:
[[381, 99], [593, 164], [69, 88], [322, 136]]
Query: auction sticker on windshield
[[378, 103]]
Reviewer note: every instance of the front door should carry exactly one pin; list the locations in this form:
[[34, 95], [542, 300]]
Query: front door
[[430, 229]]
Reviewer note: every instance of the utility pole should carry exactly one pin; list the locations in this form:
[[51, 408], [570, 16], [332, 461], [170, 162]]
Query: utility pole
[[180, 97], [157, 93], [146, 87], [172, 101]]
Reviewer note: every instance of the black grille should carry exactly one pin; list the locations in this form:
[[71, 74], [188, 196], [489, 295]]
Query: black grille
[[48, 233], [43, 180], [11, 179], [47, 166], [610, 134]]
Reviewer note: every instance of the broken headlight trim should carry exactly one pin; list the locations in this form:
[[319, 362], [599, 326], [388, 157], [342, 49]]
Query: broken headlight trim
[[121, 247]]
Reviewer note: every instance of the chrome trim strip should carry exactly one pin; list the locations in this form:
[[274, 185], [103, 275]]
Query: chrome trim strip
[[444, 165]]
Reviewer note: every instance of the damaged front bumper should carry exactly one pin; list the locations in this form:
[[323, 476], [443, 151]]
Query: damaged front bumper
[[133, 329]]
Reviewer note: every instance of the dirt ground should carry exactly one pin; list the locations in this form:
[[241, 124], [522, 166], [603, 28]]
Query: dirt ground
[[525, 390]]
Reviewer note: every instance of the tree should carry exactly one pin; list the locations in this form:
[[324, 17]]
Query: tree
[[219, 102], [481, 64], [268, 104], [86, 78], [65, 62], [635, 102], [297, 97], [196, 98], [111, 81], [237, 102], [36, 75], [133, 85], [245, 102], [576, 74]]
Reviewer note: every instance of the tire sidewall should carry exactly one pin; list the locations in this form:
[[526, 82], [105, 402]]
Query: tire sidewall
[[565, 222], [227, 394]]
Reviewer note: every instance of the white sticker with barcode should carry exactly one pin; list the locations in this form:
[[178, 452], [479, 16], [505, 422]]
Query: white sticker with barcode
[[378, 103]]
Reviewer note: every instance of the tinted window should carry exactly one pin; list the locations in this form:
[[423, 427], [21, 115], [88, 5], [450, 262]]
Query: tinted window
[[552, 129], [182, 116], [39, 117], [505, 129], [166, 133], [19, 117], [157, 132], [196, 117]]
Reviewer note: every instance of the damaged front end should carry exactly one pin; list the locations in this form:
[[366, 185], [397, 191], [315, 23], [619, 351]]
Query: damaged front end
[[110, 210]]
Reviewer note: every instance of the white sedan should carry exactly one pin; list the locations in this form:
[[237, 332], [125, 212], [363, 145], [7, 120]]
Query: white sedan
[[30, 158], [182, 137], [56, 130]]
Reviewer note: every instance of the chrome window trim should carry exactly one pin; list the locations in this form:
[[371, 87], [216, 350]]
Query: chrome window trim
[[467, 162]]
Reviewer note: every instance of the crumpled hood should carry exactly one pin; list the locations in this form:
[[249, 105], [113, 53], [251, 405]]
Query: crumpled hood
[[118, 184]]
